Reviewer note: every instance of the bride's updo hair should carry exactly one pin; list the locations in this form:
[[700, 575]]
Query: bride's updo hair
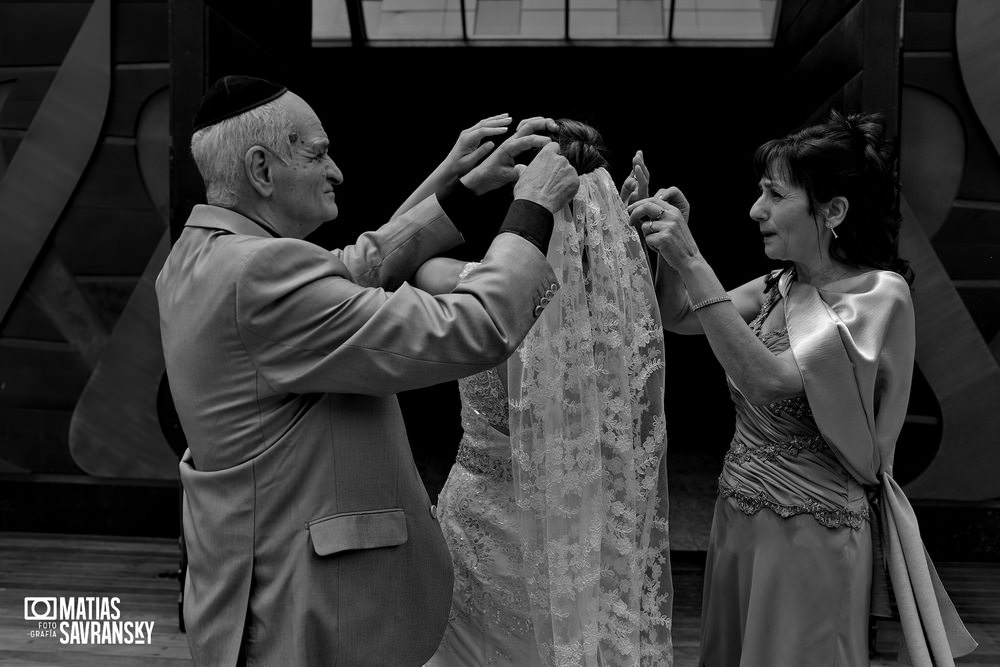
[[581, 144], [846, 155]]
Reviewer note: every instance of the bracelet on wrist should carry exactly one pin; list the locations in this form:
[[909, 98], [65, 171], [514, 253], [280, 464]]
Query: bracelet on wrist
[[711, 301]]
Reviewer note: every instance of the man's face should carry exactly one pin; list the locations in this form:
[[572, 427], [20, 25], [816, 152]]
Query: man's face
[[303, 188]]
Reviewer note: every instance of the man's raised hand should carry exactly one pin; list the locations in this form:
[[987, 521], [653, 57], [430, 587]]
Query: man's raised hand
[[549, 180]]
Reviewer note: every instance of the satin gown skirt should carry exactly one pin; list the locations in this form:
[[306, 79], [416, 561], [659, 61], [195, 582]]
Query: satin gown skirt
[[784, 592]]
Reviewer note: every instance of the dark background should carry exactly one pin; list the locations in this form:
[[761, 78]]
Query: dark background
[[697, 114], [392, 114]]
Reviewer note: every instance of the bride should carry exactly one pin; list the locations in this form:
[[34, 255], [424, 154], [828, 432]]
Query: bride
[[555, 511]]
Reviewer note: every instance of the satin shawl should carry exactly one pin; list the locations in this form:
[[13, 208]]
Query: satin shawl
[[854, 345]]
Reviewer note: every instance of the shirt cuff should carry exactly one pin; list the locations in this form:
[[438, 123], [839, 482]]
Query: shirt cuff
[[531, 221]]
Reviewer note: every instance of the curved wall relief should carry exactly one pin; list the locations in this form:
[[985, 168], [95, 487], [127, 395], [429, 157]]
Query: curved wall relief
[[951, 351], [5, 88], [53, 155], [114, 431], [932, 158], [977, 25]]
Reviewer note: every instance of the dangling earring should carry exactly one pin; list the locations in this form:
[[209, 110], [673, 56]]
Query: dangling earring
[[832, 231]]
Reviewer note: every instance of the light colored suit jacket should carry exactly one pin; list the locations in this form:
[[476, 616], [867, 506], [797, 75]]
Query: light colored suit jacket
[[311, 540]]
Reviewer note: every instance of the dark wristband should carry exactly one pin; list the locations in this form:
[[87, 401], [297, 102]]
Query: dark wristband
[[531, 221]]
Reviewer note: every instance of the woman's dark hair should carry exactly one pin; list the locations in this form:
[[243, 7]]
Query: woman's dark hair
[[847, 156], [581, 144]]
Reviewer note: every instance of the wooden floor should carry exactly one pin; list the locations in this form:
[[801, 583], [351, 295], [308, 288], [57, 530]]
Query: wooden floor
[[138, 571]]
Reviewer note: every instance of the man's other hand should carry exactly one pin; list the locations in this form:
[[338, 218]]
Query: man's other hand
[[548, 180]]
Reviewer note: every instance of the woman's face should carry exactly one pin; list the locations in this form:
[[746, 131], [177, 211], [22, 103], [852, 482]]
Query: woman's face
[[782, 215]]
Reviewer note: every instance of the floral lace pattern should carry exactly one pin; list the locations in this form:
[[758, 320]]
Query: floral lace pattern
[[481, 463], [484, 395], [479, 520], [588, 439]]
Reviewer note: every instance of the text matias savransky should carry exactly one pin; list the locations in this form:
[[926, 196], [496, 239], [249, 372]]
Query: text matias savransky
[[85, 620]]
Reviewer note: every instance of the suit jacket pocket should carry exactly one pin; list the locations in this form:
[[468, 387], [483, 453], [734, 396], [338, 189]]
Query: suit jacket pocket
[[358, 530]]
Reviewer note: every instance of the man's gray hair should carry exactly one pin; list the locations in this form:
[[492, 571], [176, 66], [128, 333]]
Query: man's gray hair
[[219, 149]]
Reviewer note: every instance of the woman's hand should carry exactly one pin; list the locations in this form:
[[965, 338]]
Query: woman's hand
[[676, 198], [636, 186], [463, 157], [502, 167], [664, 225], [468, 152]]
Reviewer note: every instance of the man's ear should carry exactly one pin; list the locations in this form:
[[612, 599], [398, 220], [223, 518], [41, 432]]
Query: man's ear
[[257, 164]]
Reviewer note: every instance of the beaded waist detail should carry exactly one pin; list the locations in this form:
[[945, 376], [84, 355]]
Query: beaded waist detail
[[740, 453], [752, 502], [482, 463]]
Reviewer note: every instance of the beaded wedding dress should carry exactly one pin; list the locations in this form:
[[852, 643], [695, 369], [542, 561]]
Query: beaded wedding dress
[[555, 511]]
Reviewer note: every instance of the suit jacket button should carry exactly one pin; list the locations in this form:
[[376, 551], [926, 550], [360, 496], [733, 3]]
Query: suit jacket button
[[433, 511], [553, 287], [538, 310]]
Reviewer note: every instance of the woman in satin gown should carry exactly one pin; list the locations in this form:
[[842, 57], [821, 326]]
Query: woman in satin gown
[[555, 511], [808, 511]]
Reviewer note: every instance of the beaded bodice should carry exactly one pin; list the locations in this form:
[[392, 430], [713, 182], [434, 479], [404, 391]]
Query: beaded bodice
[[485, 447], [479, 522], [778, 459], [484, 398], [791, 415]]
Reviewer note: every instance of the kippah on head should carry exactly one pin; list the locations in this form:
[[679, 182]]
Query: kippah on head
[[232, 95]]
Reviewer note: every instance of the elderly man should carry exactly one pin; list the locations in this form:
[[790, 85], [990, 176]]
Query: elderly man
[[311, 539]]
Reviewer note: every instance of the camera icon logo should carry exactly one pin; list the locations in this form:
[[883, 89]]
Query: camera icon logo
[[40, 609]]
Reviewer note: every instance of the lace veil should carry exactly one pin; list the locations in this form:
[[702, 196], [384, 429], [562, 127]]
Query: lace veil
[[588, 444]]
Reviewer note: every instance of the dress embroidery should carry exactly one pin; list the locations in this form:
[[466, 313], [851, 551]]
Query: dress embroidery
[[479, 521], [741, 453], [751, 503], [485, 395], [796, 406], [558, 532], [481, 463], [757, 446], [466, 270]]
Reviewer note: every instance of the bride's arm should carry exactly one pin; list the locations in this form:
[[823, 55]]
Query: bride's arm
[[763, 377], [675, 304], [464, 155], [439, 275], [671, 292]]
